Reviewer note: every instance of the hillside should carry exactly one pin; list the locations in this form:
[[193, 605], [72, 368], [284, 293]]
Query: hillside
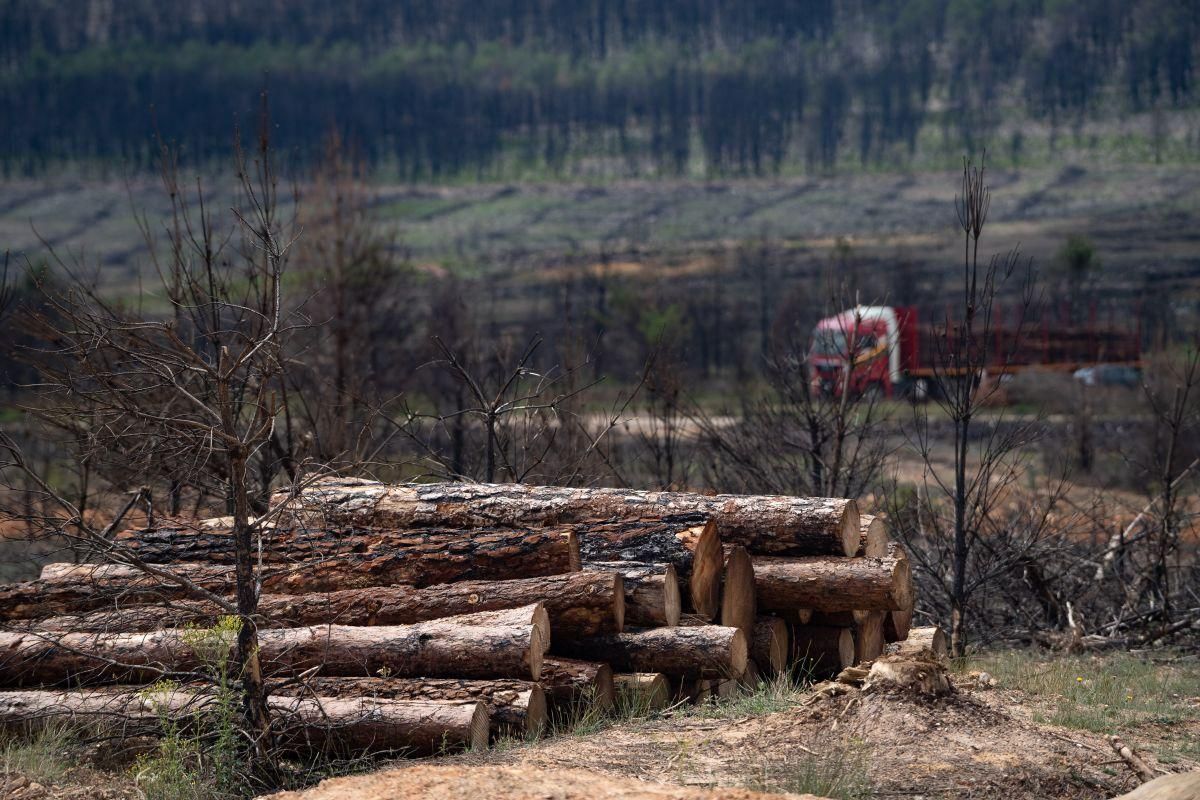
[[608, 88]]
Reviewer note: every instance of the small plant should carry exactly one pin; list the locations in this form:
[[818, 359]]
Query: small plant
[[41, 755], [200, 755]]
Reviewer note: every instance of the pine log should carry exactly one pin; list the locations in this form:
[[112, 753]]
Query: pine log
[[832, 584], [738, 606], [71, 589], [868, 637], [898, 623], [923, 640], [688, 651], [769, 647], [568, 681], [824, 649], [642, 691], [516, 708], [451, 647], [872, 537], [353, 725], [579, 604], [762, 524], [651, 597], [693, 547], [349, 558]]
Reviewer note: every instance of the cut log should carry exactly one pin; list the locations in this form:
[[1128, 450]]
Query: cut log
[[801, 616], [579, 604], [761, 524], [516, 708], [868, 637], [872, 537], [898, 623], [931, 639], [642, 691], [651, 593], [832, 584], [769, 647], [688, 651], [452, 647], [824, 649], [738, 608], [568, 681], [343, 559], [693, 549], [71, 589], [302, 723]]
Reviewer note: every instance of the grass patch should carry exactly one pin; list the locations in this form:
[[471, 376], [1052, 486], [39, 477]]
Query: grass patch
[[1102, 694], [43, 754], [767, 697], [838, 771]]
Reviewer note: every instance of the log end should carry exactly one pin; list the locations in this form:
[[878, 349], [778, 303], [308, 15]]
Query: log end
[[573, 557], [851, 527], [541, 622], [873, 537], [771, 644], [902, 588], [480, 727], [738, 608], [643, 691], [537, 650], [605, 692], [739, 653], [845, 648], [672, 601], [897, 625], [619, 602], [535, 712], [708, 564]]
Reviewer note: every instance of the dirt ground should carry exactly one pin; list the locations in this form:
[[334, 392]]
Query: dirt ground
[[974, 743]]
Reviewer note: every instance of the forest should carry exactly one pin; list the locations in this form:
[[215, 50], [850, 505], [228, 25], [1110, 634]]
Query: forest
[[505, 88]]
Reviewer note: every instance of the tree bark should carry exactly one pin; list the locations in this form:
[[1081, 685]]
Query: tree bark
[[762, 524], [825, 649], [693, 549], [452, 647], [689, 651], [832, 584], [770, 646], [738, 606], [579, 604], [872, 537], [339, 558], [516, 708], [302, 724], [567, 681], [651, 593], [640, 691]]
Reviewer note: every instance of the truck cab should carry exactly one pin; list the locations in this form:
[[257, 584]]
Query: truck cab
[[858, 350]]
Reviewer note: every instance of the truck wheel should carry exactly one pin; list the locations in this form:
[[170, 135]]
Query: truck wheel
[[918, 390]]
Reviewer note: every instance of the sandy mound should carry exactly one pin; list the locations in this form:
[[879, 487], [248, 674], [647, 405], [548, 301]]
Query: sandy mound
[[510, 783]]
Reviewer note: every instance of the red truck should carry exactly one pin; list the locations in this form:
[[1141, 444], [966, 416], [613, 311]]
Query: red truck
[[893, 353]]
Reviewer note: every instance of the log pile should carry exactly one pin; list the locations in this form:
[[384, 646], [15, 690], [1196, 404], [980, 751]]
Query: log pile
[[448, 613]]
